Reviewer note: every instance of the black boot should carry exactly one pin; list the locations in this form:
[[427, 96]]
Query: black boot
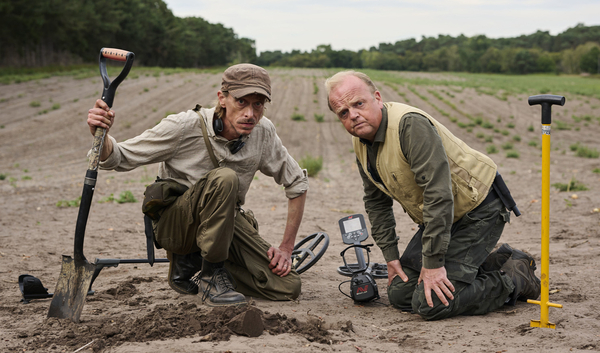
[[527, 285], [181, 270], [496, 259], [216, 287]]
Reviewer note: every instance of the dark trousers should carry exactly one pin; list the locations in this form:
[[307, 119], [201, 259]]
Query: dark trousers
[[477, 292], [205, 218]]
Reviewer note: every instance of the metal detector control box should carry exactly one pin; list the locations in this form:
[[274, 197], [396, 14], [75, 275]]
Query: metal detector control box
[[353, 229]]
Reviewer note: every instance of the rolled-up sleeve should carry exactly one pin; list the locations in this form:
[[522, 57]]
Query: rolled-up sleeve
[[152, 146], [115, 157]]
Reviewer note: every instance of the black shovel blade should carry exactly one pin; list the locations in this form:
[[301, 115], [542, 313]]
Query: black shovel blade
[[71, 289]]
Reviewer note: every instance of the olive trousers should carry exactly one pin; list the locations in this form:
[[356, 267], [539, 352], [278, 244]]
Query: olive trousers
[[477, 292], [206, 218]]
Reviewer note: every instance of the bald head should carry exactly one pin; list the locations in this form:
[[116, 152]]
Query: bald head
[[356, 103], [335, 80]]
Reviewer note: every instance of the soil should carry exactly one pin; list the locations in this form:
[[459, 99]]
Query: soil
[[43, 160]]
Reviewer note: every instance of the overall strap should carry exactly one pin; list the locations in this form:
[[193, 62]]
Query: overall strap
[[205, 135]]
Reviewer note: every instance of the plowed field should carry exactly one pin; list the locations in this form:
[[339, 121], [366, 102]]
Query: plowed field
[[44, 140]]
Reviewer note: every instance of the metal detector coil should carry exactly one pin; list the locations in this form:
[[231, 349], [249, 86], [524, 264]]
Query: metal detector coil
[[377, 270], [318, 243]]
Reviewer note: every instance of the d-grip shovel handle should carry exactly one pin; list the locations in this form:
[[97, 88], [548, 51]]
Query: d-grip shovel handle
[[108, 94], [546, 101], [91, 175]]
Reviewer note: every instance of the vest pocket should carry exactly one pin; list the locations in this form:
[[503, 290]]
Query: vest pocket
[[465, 196], [397, 186]]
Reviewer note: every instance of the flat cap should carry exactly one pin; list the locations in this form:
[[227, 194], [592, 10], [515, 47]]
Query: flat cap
[[244, 79]]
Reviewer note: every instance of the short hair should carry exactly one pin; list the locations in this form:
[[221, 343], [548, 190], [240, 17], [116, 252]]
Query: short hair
[[336, 79]]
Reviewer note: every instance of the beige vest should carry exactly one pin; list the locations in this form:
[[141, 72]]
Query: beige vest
[[472, 172]]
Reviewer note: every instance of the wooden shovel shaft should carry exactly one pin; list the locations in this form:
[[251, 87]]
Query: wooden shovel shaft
[[97, 148]]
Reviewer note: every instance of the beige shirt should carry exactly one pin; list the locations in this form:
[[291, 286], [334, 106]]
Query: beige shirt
[[178, 145]]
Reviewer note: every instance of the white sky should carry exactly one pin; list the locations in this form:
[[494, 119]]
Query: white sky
[[359, 24]]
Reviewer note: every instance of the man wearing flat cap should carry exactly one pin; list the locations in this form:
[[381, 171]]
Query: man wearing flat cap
[[205, 229]]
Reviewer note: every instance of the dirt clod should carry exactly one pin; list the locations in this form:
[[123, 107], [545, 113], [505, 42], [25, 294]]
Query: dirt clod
[[170, 321]]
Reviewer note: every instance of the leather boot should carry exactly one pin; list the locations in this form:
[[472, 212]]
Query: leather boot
[[216, 286], [497, 258], [181, 270], [527, 285]]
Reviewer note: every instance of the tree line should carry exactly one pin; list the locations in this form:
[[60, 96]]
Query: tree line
[[56, 32], [53, 32], [575, 50]]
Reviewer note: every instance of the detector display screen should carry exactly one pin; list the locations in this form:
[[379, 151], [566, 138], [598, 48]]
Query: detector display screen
[[353, 229], [352, 225]]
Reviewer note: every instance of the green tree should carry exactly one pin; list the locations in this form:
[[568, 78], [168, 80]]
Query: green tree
[[491, 60], [570, 61], [589, 61], [525, 62], [545, 63], [345, 58], [44, 32], [267, 58], [413, 61]]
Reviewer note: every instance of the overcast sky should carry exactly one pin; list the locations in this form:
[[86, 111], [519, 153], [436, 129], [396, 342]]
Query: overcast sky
[[359, 24]]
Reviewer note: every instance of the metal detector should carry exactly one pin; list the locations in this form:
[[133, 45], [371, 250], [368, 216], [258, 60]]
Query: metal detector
[[354, 231], [363, 287]]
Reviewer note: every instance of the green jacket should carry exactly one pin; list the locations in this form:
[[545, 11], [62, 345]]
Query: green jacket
[[418, 183]]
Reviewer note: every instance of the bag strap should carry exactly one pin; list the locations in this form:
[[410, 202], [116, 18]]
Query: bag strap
[[205, 135]]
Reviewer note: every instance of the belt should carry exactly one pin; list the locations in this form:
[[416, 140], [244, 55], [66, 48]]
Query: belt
[[491, 196]]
